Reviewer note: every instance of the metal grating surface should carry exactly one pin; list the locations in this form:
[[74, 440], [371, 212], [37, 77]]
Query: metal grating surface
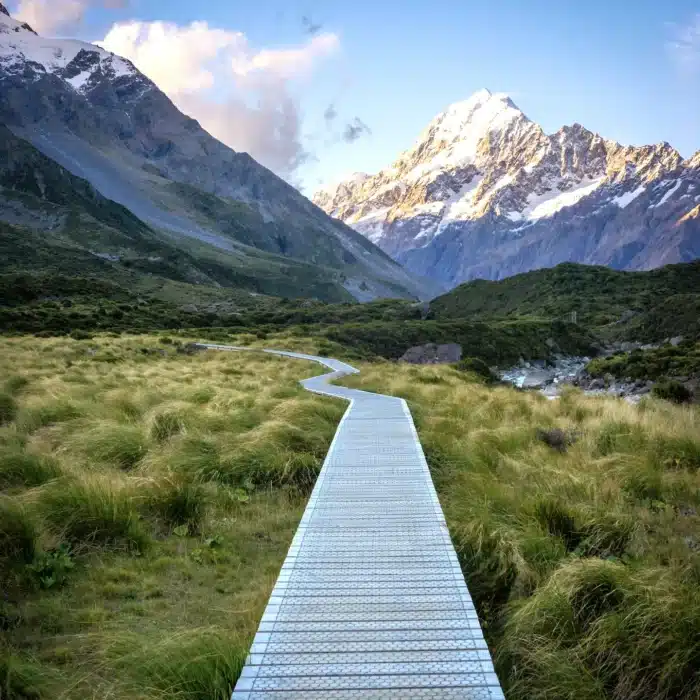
[[370, 601]]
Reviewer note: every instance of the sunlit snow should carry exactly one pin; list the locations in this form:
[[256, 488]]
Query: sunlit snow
[[22, 45], [549, 203], [624, 199]]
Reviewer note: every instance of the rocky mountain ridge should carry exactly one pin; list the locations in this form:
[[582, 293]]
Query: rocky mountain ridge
[[97, 116], [485, 192]]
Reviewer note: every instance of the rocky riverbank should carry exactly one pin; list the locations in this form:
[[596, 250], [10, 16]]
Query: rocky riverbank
[[552, 376]]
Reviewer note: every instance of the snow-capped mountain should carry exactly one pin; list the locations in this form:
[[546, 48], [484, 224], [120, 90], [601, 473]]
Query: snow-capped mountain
[[485, 192], [98, 117]]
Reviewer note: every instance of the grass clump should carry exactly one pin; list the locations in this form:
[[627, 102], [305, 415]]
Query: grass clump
[[120, 445], [180, 502], [18, 535], [200, 664], [93, 512], [165, 425], [8, 408], [21, 468]]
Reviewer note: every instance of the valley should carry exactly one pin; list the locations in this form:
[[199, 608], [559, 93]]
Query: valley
[[533, 297]]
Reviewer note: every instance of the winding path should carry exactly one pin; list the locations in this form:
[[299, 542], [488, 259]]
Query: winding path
[[370, 601]]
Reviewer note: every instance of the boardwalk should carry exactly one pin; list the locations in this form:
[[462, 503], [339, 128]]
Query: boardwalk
[[370, 601]]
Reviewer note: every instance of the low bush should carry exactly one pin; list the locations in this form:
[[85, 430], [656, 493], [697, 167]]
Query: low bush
[[673, 391], [478, 367]]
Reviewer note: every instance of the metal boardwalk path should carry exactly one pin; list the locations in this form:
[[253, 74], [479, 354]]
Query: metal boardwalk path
[[370, 601]]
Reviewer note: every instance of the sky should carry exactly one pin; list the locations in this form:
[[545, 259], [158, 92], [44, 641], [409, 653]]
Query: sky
[[319, 89]]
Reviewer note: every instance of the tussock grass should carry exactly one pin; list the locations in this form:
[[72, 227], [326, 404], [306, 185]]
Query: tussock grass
[[179, 502], [18, 534], [92, 511], [173, 485], [122, 446], [200, 664], [584, 564], [21, 468], [8, 408]]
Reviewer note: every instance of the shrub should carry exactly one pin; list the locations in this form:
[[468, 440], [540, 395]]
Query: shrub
[[92, 512], [8, 408], [120, 445], [80, 335], [19, 468], [671, 390], [478, 367], [18, 534]]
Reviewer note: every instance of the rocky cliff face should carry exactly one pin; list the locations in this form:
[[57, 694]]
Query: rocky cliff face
[[97, 116], [485, 192]]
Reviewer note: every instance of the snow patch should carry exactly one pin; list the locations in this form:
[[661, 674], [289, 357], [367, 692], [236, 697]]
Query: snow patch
[[552, 201], [625, 199], [669, 192]]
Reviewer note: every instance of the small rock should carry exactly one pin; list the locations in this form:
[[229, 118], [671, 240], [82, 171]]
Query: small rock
[[676, 341], [556, 438]]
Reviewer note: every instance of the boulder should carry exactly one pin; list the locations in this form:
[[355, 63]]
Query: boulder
[[536, 379], [433, 354]]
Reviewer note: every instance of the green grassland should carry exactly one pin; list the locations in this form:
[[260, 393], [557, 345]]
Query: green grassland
[[583, 559], [149, 496], [147, 500]]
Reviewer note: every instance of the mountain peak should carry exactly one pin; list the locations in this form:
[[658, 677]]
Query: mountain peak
[[3, 10]]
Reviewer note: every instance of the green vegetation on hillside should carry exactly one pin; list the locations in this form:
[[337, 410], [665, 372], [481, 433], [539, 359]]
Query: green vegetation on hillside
[[667, 361], [147, 500], [634, 305], [582, 555]]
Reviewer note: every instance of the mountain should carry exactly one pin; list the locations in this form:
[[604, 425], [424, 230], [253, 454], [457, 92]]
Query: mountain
[[486, 193], [94, 115]]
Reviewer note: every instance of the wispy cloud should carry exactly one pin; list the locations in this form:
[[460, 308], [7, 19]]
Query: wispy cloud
[[48, 16], [354, 129], [241, 95], [684, 45]]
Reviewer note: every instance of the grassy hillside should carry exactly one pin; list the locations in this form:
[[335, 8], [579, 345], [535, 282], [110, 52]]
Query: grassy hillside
[[584, 558], [147, 500], [618, 304]]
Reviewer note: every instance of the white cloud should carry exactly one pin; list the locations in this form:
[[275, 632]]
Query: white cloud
[[685, 46], [47, 16], [241, 96]]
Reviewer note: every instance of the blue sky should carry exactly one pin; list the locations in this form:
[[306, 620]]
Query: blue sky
[[606, 64]]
